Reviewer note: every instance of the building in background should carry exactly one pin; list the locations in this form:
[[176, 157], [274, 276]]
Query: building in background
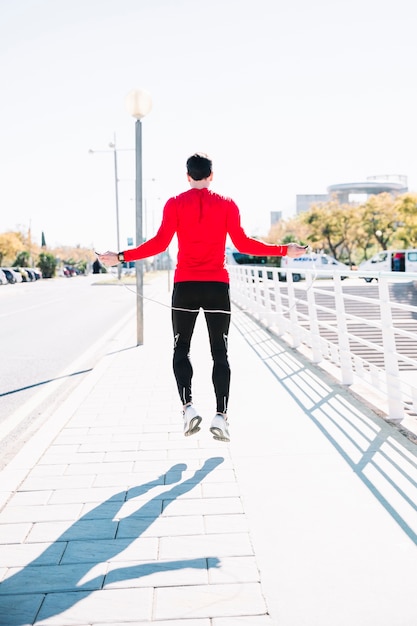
[[305, 201], [276, 216], [355, 193]]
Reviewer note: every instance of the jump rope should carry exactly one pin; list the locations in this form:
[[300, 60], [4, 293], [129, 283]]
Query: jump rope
[[168, 306], [185, 310]]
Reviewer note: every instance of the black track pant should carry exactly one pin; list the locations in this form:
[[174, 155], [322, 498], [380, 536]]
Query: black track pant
[[210, 296]]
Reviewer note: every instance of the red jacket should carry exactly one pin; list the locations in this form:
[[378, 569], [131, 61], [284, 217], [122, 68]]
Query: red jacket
[[202, 220]]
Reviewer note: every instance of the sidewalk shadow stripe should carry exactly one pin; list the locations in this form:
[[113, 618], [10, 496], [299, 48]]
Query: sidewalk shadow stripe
[[306, 384]]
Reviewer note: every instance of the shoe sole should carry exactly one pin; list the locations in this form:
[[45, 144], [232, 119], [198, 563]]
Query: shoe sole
[[193, 426], [218, 434]]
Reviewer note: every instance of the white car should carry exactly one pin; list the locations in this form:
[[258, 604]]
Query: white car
[[322, 264], [390, 261], [11, 275], [3, 278]]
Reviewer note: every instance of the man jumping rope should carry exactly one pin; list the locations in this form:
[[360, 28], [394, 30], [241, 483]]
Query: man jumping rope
[[202, 220]]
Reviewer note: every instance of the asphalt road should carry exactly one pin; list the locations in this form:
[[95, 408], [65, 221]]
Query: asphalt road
[[51, 333]]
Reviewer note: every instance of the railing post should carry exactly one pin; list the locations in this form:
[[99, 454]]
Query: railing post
[[392, 370], [343, 332], [292, 310], [278, 317], [313, 320]]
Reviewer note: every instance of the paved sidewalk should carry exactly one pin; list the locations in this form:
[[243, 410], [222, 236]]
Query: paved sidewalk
[[307, 518]]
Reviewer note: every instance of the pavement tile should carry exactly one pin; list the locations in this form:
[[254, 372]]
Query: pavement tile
[[154, 465], [202, 506], [70, 530], [93, 495], [28, 498], [98, 468], [19, 555], [106, 446], [133, 507], [118, 456], [220, 490], [108, 606], [209, 601], [14, 533], [160, 428], [237, 569], [110, 433], [161, 526], [71, 436], [64, 449], [218, 545], [128, 480], [51, 469], [39, 513], [21, 610], [37, 483], [129, 548], [55, 456], [52, 578], [231, 523], [181, 572], [178, 454]]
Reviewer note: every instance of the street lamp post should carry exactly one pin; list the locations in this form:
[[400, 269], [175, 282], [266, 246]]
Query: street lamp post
[[116, 191], [138, 104], [112, 146]]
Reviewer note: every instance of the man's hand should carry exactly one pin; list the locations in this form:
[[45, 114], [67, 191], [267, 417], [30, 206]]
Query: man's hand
[[108, 258], [295, 250]]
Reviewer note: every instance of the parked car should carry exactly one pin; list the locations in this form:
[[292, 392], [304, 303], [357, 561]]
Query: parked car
[[24, 274], [322, 264], [34, 272], [12, 276], [3, 278], [390, 261], [30, 273]]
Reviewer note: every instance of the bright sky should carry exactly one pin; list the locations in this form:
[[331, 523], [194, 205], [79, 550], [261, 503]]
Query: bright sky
[[287, 97]]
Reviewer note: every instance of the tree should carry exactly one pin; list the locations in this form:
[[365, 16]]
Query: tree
[[22, 259], [380, 219], [350, 223], [325, 223], [406, 206], [47, 264], [10, 245], [286, 231]]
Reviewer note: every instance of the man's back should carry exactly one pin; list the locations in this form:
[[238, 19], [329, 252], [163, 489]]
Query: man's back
[[201, 224]]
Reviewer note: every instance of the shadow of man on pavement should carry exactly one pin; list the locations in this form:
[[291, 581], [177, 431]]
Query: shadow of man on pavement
[[54, 582]]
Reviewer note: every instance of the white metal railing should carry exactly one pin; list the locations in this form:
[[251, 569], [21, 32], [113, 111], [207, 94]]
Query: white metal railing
[[367, 331]]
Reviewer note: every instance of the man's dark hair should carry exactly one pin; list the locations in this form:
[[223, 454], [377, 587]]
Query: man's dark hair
[[199, 166]]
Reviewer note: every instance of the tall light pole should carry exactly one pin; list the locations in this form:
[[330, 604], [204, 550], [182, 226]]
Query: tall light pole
[[138, 104], [113, 147]]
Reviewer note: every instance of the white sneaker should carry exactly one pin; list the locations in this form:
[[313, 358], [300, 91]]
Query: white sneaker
[[220, 428], [191, 420]]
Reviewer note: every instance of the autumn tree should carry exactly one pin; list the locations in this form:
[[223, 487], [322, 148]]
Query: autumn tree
[[380, 220], [325, 222], [286, 231], [350, 225], [406, 208], [11, 244]]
